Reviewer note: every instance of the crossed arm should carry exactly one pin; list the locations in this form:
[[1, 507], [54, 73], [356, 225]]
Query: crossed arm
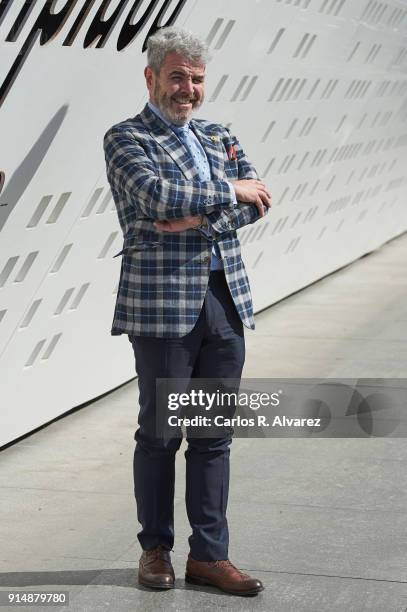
[[178, 204], [253, 202], [251, 191]]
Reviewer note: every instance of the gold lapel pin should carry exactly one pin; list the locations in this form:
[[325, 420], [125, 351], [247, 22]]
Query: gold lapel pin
[[215, 138]]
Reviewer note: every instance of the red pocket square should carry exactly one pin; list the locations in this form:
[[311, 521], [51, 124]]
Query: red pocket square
[[232, 152]]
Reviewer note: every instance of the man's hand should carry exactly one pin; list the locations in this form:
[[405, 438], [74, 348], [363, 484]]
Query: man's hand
[[254, 192], [178, 225]]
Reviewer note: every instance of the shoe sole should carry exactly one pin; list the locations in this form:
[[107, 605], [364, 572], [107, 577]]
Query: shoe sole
[[155, 585], [203, 582]]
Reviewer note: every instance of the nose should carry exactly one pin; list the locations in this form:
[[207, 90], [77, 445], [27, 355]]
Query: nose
[[188, 86]]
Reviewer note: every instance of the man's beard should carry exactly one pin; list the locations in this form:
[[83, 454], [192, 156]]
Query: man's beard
[[164, 104]]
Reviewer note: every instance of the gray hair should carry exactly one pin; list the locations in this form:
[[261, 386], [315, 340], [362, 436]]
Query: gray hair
[[166, 40]]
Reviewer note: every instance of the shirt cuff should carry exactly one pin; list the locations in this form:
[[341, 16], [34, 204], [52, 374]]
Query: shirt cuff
[[232, 192]]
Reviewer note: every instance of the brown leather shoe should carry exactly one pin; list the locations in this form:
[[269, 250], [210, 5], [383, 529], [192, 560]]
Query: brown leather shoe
[[155, 569], [223, 575]]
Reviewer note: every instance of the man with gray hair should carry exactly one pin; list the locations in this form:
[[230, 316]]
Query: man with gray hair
[[182, 188]]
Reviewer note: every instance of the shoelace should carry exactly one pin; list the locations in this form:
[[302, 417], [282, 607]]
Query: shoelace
[[227, 563], [223, 563], [157, 553]]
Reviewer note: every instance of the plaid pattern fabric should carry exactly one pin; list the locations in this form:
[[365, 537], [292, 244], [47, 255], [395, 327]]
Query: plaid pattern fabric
[[164, 276]]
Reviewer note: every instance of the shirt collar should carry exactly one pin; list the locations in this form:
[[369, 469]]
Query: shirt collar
[[159, 114]]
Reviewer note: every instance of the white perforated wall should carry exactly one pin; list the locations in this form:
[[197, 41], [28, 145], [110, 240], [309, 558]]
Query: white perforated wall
[[315, 90]]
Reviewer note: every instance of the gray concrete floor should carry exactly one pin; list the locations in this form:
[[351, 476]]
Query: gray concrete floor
[[321, 522]]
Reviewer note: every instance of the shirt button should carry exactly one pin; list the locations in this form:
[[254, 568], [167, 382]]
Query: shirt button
[[205, 259]]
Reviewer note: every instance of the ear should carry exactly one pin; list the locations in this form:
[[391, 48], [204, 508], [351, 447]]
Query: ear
[[148, 73]]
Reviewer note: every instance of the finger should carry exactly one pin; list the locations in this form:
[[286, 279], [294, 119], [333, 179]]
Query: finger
[[263, 189], [265, 199], [163, 226], [259, 205], [171, 228]]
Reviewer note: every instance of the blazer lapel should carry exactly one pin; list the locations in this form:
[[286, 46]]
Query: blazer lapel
[[167, 139]]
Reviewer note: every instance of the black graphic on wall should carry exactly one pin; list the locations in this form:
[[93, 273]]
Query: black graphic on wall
[[19, 181], [49, 24]]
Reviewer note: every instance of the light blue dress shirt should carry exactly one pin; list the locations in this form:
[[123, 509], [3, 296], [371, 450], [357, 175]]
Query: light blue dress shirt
[[187, 137]]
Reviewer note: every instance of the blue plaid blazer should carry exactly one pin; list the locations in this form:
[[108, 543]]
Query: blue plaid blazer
[[164, 276]]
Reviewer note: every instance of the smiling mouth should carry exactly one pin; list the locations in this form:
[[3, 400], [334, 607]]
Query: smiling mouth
[[184, 102]]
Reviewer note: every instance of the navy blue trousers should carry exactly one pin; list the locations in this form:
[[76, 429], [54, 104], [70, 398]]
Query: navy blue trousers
[[214, 348]]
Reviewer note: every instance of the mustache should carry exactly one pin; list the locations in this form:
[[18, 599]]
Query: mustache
[[184, 100]]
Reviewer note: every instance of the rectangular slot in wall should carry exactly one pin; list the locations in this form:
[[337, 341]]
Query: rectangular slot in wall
[[26, 267], [64, 301], [92, 202], [30, 314], [225, 34], [107, 245], [7, 270], [32, 358], [61, 258], [219, 87], [59, 207], [39, 211], [51, 347], [79, 296]]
